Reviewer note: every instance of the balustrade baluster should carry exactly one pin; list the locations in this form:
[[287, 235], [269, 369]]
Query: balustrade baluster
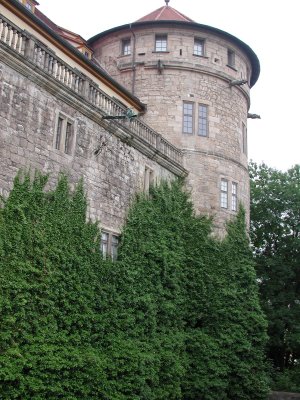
[[1, 27], [14, 39], [77, 83], [63, 72], [4, 32], [46, 62], [9, 35], [19, 43], [50, 64]]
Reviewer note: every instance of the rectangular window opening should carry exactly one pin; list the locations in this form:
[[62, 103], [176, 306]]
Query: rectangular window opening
[[203, 120], [161, 42], [244, 138], [109, 245], [198, 47], [230, 58], [234, 196], [188, 117], [224, 193], [126, 47], [114, 247], [148, 179], [58, 133], [64, 138], [68, 138]]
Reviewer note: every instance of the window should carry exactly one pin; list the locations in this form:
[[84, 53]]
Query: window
[[224, 193], [64, 138], [29, 6], [109, 245], [188, 117], [126, 47], [230, 58], [198, 47], [234, 196], [148, 179], [202, 120], [104, 244], [114, 247], [244, 138], [161, 42]]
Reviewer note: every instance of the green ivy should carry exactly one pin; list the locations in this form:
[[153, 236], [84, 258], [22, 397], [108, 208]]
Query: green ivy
[[176, 317]]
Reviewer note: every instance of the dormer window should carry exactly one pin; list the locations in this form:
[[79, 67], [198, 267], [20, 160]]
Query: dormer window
[[29, 4], [161, 42], [126, 47], [87, 53]]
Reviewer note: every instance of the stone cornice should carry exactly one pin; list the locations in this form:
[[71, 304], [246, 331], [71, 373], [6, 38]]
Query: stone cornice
[[124, 132], [215, 155]]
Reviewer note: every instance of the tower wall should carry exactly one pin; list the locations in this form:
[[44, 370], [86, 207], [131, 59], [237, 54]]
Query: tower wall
[[165, 80]]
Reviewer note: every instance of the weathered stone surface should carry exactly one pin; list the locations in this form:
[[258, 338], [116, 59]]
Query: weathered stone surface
[[197, 79], [113, 171]]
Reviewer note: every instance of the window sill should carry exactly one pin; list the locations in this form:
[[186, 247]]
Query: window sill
[[231, 67], [124, 55], [200, 56], [160, 51]]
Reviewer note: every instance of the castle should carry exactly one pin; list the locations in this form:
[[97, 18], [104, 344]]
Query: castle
[[159, 98]]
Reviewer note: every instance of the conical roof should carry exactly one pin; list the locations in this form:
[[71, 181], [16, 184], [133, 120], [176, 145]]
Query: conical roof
[[165, 13]]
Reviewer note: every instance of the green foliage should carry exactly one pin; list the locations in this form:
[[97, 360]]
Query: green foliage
[[275, 234], [177, 317], [49, 259]]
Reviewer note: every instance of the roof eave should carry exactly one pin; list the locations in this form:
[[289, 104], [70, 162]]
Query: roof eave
[[106, 77]]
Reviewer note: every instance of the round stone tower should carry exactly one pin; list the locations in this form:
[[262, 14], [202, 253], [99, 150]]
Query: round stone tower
[[195, 80]]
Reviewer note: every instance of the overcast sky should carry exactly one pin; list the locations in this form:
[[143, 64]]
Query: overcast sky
[[269, 27]]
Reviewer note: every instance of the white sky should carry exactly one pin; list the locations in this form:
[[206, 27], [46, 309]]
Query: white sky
[[269, 27]]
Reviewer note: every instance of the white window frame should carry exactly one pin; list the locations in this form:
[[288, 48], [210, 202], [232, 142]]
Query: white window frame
[[224, 193], [126, 47], [188, 117], [203, 120], [234, 196], [199, 47], [161, 43]]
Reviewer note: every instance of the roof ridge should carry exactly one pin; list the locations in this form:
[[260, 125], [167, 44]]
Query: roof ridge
[[162, 9]]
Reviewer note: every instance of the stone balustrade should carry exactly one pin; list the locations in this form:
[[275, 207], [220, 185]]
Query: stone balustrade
[[45, 59]]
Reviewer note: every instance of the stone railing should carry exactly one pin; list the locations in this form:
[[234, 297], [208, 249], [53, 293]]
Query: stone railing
[[44, 58]]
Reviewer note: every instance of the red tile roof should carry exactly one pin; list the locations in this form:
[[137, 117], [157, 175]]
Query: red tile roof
[[72, 37], [165, 13]]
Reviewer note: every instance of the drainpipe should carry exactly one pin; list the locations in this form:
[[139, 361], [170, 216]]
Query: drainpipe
[[133, 61]]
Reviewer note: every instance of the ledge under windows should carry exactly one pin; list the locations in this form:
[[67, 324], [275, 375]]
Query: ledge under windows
[[200, 56], [232, 67]]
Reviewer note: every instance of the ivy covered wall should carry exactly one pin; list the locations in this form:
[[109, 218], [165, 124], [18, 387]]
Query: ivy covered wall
[[176, 317]]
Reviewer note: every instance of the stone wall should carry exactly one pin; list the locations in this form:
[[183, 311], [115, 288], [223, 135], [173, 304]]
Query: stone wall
[[185, 77], [112, 169]]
